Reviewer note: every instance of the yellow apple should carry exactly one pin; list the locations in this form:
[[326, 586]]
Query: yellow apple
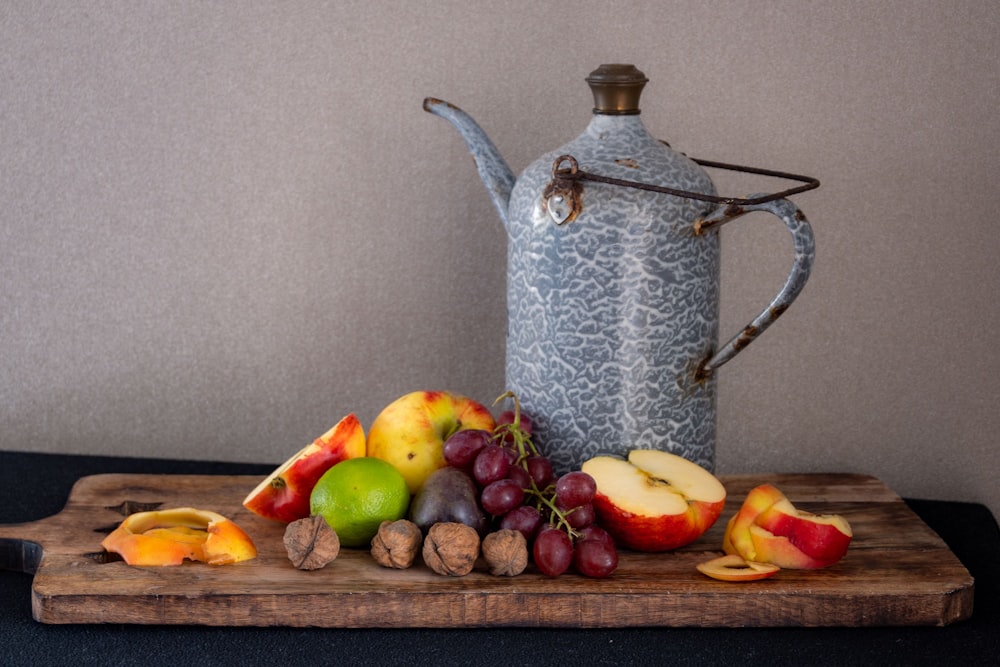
[[655, 500], [284, 494], [410, 432]]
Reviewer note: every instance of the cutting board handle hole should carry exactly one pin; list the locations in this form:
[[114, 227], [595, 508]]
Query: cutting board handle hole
[[127, 507], [102, 557]]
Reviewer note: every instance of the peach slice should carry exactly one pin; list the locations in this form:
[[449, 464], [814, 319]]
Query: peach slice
[[167, 537], [735, 568]]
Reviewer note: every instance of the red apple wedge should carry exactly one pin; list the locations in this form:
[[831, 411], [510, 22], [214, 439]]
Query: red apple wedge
[[655, 500], [735, 568], [284, 494]]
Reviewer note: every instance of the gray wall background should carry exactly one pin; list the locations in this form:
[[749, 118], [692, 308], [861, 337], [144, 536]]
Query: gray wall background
[[224, 225]]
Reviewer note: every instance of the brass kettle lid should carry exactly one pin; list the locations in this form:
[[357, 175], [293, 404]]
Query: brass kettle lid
[[616, 89]]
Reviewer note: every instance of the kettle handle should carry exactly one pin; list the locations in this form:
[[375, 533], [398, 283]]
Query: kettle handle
[[805, 251]]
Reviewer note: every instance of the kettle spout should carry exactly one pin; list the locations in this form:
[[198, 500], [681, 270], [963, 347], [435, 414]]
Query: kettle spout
[[496, 175]]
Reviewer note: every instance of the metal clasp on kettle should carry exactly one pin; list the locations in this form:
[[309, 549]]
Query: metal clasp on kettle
[[563, 196]]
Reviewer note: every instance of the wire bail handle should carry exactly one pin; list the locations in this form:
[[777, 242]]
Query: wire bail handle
[[562, 176]]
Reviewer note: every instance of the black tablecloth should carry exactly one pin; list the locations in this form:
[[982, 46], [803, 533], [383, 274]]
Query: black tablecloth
[[34, 486]]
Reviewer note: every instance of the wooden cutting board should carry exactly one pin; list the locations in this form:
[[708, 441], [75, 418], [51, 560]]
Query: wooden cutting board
[[897, 572]]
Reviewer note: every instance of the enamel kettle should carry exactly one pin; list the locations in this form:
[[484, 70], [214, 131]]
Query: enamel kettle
[[613, 281]]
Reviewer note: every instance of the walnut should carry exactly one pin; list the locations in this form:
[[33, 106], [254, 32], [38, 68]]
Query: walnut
[[396, 544], [506, 552], [311, 543], [451, 548]]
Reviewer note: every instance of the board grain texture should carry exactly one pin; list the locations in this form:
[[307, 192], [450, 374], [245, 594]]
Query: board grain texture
[[896, 572]]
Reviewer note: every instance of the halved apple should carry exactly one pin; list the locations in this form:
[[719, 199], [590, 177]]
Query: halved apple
[[783, 535], [284, 494], [735, 568], [655, 500], [167, 537]]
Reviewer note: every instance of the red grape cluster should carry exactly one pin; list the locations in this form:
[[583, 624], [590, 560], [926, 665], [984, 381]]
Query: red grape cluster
[[519, 490]]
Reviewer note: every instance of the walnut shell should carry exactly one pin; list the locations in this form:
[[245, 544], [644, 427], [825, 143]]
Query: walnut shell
[[311, 543], [506, 552], [451, 549], [397, 544]]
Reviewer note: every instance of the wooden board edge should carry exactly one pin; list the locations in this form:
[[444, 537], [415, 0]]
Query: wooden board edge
[[388, 609]]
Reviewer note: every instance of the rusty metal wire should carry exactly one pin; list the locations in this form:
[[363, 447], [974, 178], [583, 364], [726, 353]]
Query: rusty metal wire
[[573, 172]]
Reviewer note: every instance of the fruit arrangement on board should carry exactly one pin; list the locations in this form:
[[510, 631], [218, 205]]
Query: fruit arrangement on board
[[439, 481]]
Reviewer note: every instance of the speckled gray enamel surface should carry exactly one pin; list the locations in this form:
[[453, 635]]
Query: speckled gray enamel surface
[[608, 314], [611, 315]]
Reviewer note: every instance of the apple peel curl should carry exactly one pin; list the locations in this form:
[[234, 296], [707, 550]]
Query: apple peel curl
[[735, 568], [769, 528], [168, 537]]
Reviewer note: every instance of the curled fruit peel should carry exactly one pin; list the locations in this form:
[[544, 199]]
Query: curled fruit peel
[[167, 537], [734, 568]]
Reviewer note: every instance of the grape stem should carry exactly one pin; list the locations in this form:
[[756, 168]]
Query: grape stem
[[525, 448], [557, 518]]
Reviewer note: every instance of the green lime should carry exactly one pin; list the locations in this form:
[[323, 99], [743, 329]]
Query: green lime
[[357, 495]]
